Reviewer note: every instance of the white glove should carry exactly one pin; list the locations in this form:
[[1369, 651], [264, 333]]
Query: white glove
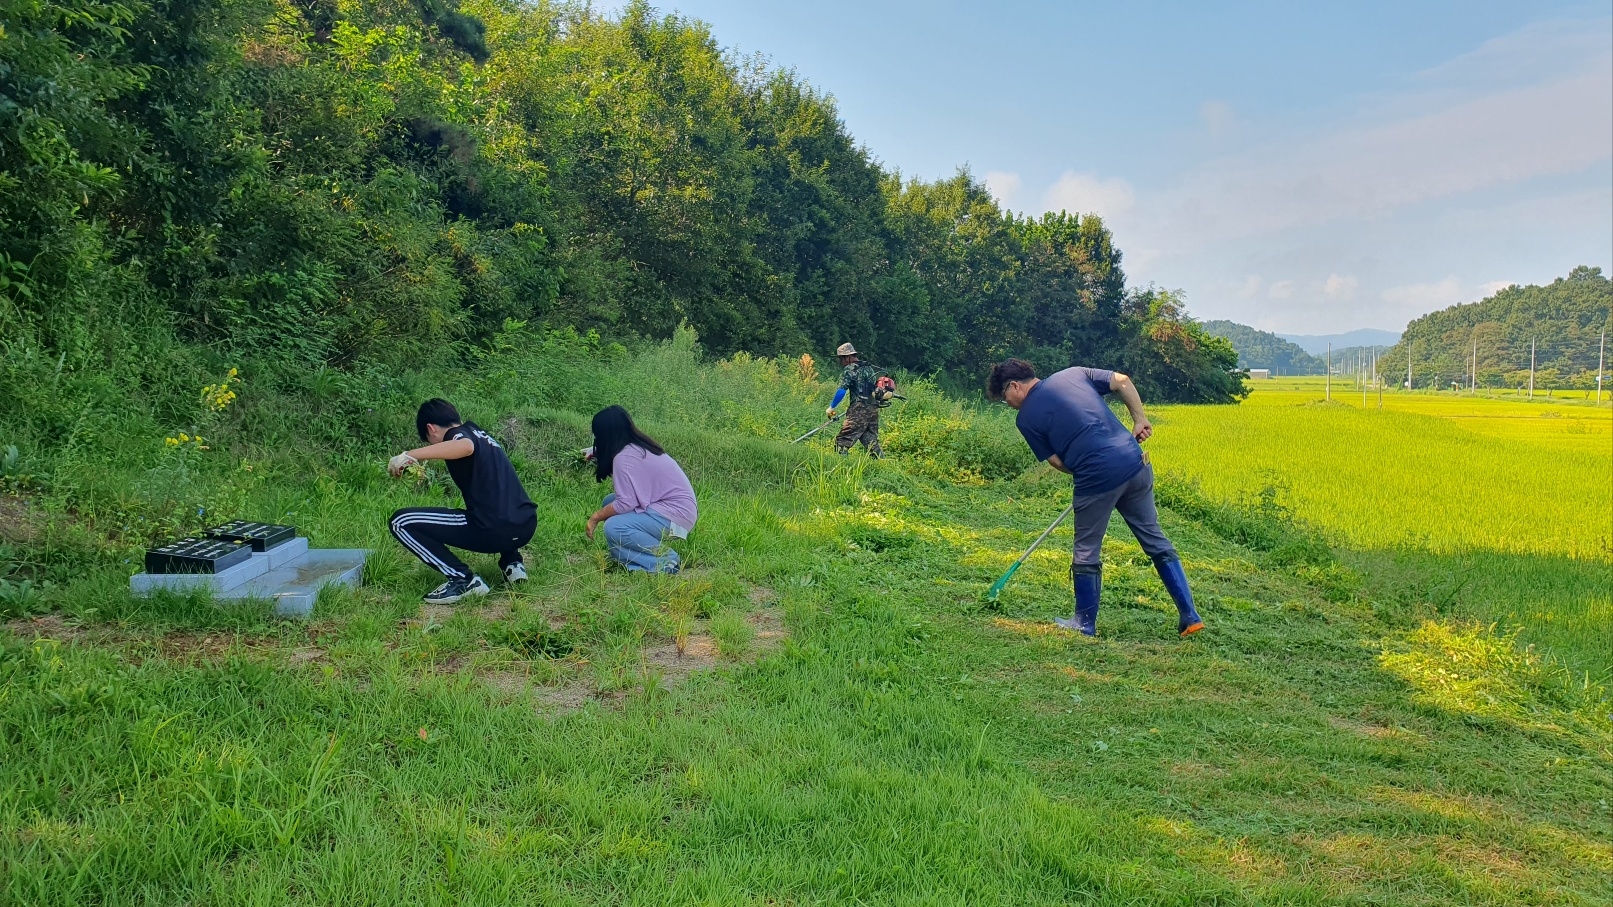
[[399, 463]]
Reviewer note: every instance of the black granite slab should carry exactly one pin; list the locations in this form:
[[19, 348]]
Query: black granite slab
[[197, 555], [261, 536]]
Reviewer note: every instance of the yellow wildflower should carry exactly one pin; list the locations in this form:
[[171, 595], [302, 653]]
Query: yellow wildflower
[[217, 397]]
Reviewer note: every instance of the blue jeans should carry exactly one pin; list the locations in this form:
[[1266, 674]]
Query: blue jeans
[[634, 540]]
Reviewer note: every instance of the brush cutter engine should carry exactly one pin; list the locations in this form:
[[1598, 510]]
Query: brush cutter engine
[[885, 392]]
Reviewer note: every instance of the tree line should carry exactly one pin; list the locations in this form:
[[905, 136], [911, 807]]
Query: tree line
[[1562, 323], [319, 183]]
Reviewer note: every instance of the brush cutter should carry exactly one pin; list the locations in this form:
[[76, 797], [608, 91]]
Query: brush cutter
[[826, 424], [1002, 581]]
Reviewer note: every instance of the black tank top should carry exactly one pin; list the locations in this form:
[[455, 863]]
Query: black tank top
[[493, 494]]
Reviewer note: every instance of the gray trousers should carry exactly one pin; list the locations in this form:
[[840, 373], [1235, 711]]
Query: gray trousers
[[1134, 498]]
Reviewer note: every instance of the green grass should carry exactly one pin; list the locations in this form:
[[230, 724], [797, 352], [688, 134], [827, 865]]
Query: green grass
[[901, 742]]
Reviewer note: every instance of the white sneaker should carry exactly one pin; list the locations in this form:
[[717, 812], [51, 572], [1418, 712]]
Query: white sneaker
[[515, 573]]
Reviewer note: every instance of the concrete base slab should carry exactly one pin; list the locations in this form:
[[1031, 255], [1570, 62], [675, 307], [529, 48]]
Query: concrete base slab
[[295, 587], [291, 574], [284, 553]]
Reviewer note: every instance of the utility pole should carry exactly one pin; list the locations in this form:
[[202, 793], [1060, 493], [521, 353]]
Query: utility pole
[[1408, 366], [1377, 380], [1473, 376], [1601, 358], [1361, 357], [1329, 369], [1531, 368]]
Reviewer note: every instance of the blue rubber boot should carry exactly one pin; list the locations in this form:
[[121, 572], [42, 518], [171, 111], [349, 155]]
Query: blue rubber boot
[[1187, 617], [1088, 582]]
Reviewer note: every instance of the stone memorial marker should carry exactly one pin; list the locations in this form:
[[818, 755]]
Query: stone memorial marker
[[196, 555], [247, 560]]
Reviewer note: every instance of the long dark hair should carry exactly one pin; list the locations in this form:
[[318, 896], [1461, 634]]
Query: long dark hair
[[613, 431]]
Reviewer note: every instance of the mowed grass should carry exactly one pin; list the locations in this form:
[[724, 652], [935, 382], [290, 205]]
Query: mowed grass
[[848, 722], [1500, 508]]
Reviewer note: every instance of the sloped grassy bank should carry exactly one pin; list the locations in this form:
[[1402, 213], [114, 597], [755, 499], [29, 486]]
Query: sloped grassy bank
[[821, 710]]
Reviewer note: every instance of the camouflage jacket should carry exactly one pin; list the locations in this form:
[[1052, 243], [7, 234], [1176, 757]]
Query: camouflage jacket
[[858, 379]]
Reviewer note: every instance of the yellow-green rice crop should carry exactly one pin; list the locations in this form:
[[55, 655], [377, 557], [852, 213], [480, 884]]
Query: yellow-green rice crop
[[1500, 508], [1442, 474], [1566, 422]]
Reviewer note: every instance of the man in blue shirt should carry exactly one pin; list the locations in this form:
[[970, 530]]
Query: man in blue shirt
[[1065, 421]]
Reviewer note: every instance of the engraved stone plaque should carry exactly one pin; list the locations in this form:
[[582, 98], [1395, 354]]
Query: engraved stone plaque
[[261, 536], [196, 555]]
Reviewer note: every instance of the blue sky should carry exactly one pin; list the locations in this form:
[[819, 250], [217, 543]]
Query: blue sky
[[1301, 167]]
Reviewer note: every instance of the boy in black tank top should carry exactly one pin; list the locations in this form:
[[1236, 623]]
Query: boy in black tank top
[[498, 517]]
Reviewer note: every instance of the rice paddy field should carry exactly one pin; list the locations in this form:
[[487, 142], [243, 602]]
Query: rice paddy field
[[824, 709], [1505, 505]]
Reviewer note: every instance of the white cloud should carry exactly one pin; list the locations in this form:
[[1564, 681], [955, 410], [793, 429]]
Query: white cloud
[[1537, 52], [1217, 115], [1494, 287], [1085, 193], [1003, 186], [1497, 159], [1431, 143], [1339, 287], [1426, 297], [1372, 171]]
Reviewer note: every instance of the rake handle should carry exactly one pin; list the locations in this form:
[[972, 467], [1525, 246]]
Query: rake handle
[[1045, 533], [1002, 581]]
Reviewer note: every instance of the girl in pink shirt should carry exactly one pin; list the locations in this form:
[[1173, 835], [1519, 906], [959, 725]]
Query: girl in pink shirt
[[653, 499]]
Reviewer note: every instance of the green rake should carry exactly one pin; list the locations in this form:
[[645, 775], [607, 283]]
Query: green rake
[[1002, 581]]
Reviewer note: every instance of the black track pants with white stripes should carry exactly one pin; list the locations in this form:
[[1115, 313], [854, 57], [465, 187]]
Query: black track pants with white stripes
[[428, 531]]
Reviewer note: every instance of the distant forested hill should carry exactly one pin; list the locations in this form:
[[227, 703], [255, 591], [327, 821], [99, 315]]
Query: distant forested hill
[[1317, 344], [1260, 349], [1565, 320], [333, 183]]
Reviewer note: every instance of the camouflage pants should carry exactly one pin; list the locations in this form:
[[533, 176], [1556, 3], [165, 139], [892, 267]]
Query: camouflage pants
[[862, 424]]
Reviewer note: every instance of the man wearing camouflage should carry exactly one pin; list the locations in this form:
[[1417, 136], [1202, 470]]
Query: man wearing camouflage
[[858, 379]]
